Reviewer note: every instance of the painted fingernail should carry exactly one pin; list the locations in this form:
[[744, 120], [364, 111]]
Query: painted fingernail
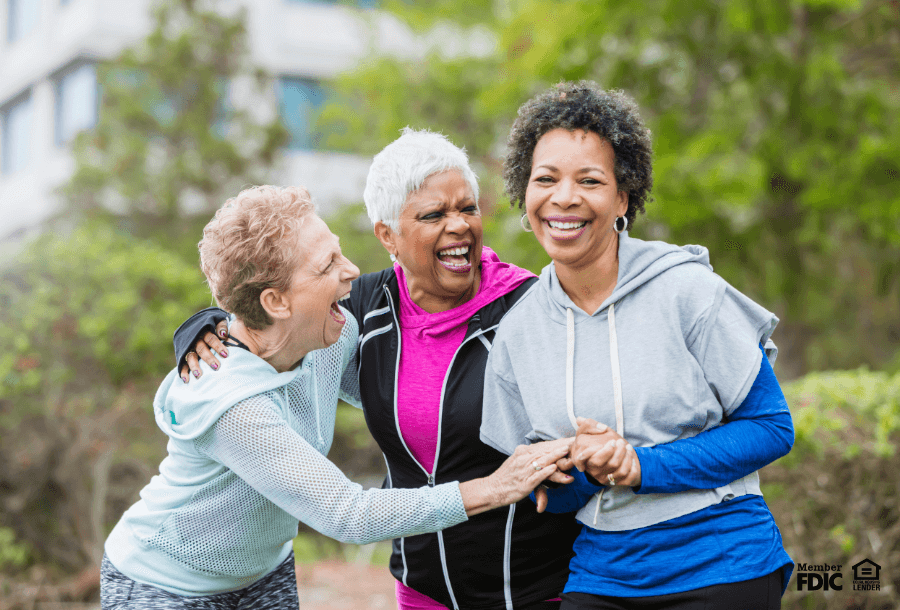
[[224, 353], [184, 378], [196, 373], [223, 333], [215, 366]]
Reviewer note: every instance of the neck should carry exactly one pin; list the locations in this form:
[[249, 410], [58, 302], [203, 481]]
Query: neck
[[272, 344], [436, 304], [591, 283]]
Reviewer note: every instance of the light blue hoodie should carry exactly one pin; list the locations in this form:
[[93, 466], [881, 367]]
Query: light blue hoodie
[[247, 448], [669, 354]]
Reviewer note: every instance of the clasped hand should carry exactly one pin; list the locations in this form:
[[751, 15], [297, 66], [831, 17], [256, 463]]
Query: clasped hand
[[600, 452]]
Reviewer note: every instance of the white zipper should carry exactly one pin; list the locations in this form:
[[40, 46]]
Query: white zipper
[[315, 399], [437, 450], [507, 553]]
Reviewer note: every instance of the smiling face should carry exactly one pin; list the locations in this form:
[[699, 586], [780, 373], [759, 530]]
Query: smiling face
[[439, 242], [322, 277], [572, 199]]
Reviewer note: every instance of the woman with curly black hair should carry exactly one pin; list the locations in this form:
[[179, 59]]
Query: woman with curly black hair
[[645, 339]]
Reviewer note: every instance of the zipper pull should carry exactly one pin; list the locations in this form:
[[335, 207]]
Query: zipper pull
[[431, 480]]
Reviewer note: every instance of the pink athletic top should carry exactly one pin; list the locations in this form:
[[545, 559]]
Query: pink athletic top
[[428, 343]]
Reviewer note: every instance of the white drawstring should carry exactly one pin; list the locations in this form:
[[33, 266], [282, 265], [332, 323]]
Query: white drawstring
[[570, 366], [617, 390]]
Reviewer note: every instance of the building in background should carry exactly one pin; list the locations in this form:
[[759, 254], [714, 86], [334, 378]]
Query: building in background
[[49, 91]]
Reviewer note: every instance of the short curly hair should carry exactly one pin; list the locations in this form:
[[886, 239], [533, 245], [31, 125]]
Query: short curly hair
[[250, 245], [612, 115]]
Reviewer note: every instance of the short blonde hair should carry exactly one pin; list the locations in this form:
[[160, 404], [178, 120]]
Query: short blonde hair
[[249, 246]]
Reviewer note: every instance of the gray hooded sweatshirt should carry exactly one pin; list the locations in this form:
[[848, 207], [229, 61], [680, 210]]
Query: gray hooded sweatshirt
[[671, 353]]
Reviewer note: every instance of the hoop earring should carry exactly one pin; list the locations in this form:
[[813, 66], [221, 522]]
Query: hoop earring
[[616, 224], [526, 225]]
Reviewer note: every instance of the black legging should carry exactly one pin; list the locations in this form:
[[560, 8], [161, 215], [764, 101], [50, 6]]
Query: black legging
[[763, 593]]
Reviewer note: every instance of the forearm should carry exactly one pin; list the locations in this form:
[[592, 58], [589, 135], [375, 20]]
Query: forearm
[[715, 457], [758, 432], [260, 448]]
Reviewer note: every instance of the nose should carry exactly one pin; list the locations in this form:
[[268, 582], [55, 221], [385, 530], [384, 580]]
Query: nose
[[350, 271], [456, 223], [565, 195]]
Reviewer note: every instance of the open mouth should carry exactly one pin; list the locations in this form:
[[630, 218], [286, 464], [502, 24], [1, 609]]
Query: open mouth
[[455, 258], [336, 314], [566, 229]]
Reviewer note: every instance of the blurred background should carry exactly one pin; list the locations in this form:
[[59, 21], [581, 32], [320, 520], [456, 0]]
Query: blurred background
[[125, 123]]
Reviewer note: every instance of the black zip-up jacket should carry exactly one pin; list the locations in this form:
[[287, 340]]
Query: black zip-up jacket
[[499, 559]]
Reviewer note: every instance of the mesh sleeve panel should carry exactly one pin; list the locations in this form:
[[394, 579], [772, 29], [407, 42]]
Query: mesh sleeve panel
[[256, 442], [349, 390]]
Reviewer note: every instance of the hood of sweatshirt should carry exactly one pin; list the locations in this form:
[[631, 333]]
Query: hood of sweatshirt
[[639, 262], [184, 411]]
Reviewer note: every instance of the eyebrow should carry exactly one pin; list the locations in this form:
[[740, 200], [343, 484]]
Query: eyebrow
[[583, 170]]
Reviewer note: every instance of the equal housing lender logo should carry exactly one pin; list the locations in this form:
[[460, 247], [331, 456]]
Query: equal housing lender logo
[[829, 577]]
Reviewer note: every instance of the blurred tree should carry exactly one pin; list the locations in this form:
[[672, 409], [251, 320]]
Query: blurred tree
[[180, 129], [83, 321], [774, 127]]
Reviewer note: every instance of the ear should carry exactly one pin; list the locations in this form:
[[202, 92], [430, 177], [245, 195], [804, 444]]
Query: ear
[[621, 203], [275, 303], [387, 237]]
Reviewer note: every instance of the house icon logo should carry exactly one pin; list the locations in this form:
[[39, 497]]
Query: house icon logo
[[866, 575]]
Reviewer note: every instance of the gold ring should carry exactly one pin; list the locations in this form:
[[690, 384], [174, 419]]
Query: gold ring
[[611, 480]]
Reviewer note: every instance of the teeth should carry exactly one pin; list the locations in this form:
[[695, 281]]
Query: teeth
[[455, 251], [344, 298], [555, 224]]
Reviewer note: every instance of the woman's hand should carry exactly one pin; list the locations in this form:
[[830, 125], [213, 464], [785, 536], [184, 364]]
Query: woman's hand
[[517, 477], [604, 455], [206, 347]]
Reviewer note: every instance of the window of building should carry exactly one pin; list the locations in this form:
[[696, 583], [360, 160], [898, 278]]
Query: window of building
[[15, 147], [76, 102], [299, 102], [21, 18]]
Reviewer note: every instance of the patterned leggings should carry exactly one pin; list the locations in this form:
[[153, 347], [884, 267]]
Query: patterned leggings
[[277, 590]]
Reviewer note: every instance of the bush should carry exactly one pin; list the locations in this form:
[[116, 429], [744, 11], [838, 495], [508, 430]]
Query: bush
[[835, 496], [85, 323]]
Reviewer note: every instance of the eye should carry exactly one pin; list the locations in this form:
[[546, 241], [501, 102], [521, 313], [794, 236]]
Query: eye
[[431, 216], [591, 181], [544, 179], [471, 209]]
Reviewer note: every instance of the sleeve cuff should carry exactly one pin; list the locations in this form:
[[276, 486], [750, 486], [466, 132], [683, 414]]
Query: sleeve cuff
[[650, 471], [451, 509], [188, 333]]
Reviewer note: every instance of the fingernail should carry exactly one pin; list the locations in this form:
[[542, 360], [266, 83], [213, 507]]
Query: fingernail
[[196, 373], [223, 333], [620, 443], [184, 378], [609, 443], [215, 366], [602, 427], [224, 353]]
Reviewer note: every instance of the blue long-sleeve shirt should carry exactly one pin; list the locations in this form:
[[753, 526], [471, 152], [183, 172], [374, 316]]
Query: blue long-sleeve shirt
[[728, 542]]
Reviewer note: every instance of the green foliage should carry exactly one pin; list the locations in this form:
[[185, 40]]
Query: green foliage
[[850, 413], [12, 554], [773, 124], [169, 139], [91, 308], [834, 496]]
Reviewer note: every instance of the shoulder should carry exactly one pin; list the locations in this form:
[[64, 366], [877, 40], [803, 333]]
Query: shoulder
[[691, 286]]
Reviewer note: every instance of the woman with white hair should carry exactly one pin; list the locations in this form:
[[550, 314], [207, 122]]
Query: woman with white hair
[[426, 327], [246, 453]]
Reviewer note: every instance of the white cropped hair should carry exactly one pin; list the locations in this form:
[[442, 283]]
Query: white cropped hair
[[402, 167]]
